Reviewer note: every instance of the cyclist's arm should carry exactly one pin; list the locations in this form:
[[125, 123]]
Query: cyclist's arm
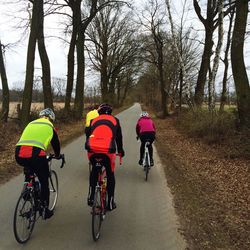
[[137, 129], [119, 142], [55, 143]]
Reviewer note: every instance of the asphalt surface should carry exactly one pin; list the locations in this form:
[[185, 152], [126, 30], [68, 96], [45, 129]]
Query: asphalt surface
[[144, 219]]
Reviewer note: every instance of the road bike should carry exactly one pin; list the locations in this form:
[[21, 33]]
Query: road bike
[[29, 207], [98, 210], [146, 160]]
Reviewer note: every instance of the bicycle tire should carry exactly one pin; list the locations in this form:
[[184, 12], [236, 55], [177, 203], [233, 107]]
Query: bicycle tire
[[53, 189], [97, 215], [146, 167], [24, 217]]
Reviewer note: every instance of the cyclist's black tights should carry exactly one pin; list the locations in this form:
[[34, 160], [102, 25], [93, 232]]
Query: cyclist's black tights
[[39, 166], [94, 176], [147, 136]]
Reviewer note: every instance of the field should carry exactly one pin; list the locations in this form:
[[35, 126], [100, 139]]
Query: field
[[34, 106]]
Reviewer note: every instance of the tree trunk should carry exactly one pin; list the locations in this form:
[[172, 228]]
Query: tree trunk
[[224, 81], [104, 78], [78, 104], [5, 87], [71, 64], [124, 94], [238, 65], [217, 56], [46, 76], [181, 89], [111, 90], [179, 55], [27, 92], [205, 63]]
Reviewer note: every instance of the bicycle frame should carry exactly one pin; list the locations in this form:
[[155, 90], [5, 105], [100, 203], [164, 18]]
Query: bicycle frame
[[102, 186], [98, 210]]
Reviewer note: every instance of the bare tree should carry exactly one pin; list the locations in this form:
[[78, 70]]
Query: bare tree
[[153, 21], [238, 64], [27, 92], [5, 103], [210, 24], [179, 51], [114, 48], [81, 20], [226, 63], [36, 35], [211, 83], [46, 76]]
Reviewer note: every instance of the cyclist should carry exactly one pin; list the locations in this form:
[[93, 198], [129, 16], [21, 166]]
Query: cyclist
[[93, 113], [145, 130], [31, 152], [104, 135]]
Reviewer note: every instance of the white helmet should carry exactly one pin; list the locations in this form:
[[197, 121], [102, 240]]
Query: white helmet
[[144, 114], [48, 113]]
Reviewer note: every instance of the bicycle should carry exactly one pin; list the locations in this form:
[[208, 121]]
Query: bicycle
[[29, 203], [146, 160], [98, 210]]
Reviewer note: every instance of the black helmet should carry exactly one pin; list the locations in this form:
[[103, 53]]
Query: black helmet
[[105, 109]]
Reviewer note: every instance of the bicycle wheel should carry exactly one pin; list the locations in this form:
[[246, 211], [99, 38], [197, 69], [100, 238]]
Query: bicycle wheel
[[53, 189], [146, 167], [24, 217], [97, 215]]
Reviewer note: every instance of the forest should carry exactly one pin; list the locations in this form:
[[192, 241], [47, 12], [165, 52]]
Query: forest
[[141, 55]]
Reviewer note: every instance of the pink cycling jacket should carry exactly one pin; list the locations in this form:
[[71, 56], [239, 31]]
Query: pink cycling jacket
[[145, 124]]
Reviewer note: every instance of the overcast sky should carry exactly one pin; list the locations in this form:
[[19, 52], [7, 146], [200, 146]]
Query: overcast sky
[[57, 49]]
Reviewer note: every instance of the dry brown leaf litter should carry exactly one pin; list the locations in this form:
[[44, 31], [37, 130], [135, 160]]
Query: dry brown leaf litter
[[210, 191]]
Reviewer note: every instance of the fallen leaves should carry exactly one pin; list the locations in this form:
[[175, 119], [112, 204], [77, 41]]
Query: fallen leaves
[[213, 191]]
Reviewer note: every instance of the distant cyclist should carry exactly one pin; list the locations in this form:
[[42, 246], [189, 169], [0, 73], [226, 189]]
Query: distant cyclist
[[31, 152], [145, 130], [93, 113], [104, 137]]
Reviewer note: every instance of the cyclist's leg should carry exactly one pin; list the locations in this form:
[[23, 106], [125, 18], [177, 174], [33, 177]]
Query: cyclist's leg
[[151, 138], [93, 177], [26, 164], [143, 141], [109, 164], [41, 168]]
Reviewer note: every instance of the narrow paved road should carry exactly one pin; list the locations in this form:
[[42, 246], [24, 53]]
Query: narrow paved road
[[144, 219]]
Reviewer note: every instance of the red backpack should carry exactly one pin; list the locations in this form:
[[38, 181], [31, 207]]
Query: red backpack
[[102, 135]]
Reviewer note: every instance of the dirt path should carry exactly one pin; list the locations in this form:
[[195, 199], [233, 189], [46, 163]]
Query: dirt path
[[212, 194]]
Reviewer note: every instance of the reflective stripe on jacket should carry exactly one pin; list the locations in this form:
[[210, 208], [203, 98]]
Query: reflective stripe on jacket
[[37, 133]]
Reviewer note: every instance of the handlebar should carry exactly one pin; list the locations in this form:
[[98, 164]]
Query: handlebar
[[61, 157]]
